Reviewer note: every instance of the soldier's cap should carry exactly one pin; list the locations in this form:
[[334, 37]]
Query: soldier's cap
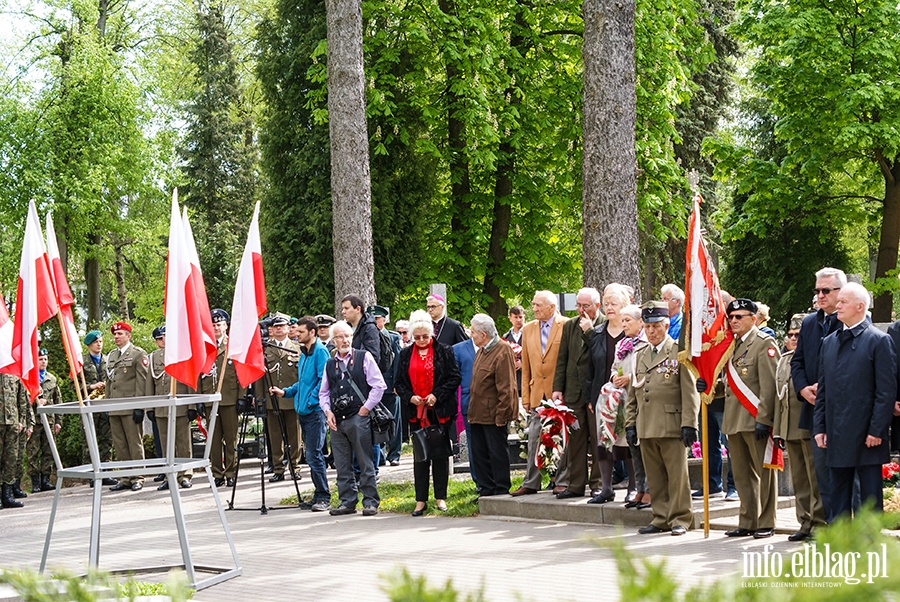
[[739, 304], [280, 319], [796, 321], [219, 315], [325, 320], [654, 311], [42, 352], [293, 320], [159, 332], [120, 326], [92, 336], [377, 310]]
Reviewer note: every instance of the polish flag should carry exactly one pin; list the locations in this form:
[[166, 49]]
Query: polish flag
[[244, 343], [190, 340], [6, 336], [35, 304], [65, 300]]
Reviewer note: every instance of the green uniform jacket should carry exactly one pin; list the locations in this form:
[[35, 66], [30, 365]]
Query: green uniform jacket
[[787, 414], [663, 394], [50, 393], [15, 406], [92, 374], [282, 366], [231, 388], [159, 383], [126, 374], [754, 359]]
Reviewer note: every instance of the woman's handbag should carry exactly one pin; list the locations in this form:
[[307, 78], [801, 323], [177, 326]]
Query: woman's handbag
[[431, 442]]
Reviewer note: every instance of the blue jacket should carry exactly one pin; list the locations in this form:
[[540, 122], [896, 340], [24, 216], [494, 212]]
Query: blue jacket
[[465, 358], [805, 362], [310, 368]]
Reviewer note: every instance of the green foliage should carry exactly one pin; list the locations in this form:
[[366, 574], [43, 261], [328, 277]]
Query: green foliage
[[35, 587], [401, 586]]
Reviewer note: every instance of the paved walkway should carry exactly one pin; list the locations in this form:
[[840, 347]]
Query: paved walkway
[[293, 554]]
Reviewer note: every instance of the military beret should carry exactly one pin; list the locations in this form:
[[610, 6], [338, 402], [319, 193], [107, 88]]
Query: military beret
[[120, 326], [92, 336], [219, 315], [654, 311], [159, 332], [42, 352], [325, 320], [293, 320], [796, 321], [280, 319], [739, 304], [377, 310]]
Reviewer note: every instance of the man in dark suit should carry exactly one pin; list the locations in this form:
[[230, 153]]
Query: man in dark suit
[[464, 353], [446, 330], [805, 366], [855, 401]]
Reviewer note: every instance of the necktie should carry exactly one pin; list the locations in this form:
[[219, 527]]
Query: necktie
[[545, 335], [653, 353]]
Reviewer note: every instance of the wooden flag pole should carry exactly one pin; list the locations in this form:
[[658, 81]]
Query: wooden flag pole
[[704, 448], [70, 358], [222, 371]]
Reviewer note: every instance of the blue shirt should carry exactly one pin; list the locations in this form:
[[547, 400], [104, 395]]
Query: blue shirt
[[309, 378], [675, 325]]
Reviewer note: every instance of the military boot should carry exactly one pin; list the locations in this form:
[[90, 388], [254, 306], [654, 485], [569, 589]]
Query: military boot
[[46, 485], [7, 500], [36, 484], [17, 491]]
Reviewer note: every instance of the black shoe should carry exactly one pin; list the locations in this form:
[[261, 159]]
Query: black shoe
[[651, 530], [420, 512], [229, 482], [276, 478], [567, 494], [341, 510], [297, 476], [739, 532], [17, 490], [164, 486], [305, 505], [799, 536], [185, 484], [763, 533], [35, 484], [108, 482], [270, 470], [159, 477], [46, 485], [642, 505], [119, 487], [7, 500], [137, 486], [219, 482], [678, 530], [603, 498]]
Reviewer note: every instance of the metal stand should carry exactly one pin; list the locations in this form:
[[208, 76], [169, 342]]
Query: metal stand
[[170, 466]]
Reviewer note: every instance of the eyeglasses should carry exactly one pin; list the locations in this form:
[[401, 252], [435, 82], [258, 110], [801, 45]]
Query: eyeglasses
[[585, 305], [825, 291], [401, 332], [341, 336], [421, 337], [793, 335], [432, 306], [739, 316]]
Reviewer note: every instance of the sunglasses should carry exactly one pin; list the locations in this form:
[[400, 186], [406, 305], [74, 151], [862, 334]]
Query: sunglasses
[[825, 291], [401, 332], [421, 337], [739, 316], [793, 335]]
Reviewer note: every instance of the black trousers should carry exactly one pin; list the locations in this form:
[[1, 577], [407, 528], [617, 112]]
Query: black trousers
[[440, 470], [842, 487], [489, 452]]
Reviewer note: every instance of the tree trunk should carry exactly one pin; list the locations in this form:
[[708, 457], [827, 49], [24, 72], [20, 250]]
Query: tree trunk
[[92, 283], [888, 242], [351, 193], [609, 198], [121, 291]]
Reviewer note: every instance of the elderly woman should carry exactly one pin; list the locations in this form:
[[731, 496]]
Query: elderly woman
[[427, 381], [493, 403], [600, 364]]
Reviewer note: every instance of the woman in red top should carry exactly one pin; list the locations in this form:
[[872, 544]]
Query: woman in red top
[[427, 383]]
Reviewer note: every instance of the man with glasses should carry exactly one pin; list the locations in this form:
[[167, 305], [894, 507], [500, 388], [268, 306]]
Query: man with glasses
[[805, 366], [446, 330], [750, 400]]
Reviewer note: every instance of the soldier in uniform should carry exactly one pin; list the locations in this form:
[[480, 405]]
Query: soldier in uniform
[[223, 456], [661, 415], [282, 355], [126, 377], [787, 433], [750, 400], [324, 322], [13, 418], [22, 444], [94, 371], [40, 458]]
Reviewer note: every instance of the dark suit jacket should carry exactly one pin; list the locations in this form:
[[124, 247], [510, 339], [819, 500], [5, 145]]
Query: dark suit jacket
[[597, 363], [449, 332], [805, 363], [446, 382], [465, 358], [366, 336], [857, 389], [571, 376], [894, 332]]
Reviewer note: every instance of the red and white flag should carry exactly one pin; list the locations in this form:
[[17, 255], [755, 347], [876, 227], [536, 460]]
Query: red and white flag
[[708, 340], [64, 299], [244, 343], [190, 340], [6, 336], [35, 304]]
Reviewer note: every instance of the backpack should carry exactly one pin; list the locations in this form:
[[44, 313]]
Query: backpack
[[386, 359]]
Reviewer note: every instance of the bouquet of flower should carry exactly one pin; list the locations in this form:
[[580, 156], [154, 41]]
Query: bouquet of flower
[[890, 474], [521, 426], [556, 419]]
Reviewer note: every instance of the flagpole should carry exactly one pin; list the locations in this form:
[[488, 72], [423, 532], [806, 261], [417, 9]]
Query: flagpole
[[224, 363], [704, 448], [69, 357]]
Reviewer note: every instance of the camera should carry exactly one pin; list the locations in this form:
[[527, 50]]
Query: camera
[[342, 403]]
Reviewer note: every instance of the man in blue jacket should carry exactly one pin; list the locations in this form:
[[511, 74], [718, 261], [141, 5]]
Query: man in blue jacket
[[464, 353], [310, 367]]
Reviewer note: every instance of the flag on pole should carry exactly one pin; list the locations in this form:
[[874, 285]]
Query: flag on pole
[[190, 341], [6, 336], [244, 343], [708, 340], [35, 304], [64, 299]]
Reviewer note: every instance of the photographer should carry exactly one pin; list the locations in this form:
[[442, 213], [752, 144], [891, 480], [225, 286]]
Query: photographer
[[351, 386]]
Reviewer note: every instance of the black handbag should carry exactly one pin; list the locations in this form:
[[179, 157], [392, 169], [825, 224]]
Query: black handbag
[[383, 426], [431, 442]]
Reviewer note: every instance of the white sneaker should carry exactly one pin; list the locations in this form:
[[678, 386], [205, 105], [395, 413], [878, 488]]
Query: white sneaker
[[321, 507]]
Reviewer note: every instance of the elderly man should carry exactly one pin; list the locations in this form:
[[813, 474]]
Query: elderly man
[[446, 330], [661, 412], [805, 367], [540, 349], [674, 298], [855, 401], [127, 368], [569, 387], [351, 386]]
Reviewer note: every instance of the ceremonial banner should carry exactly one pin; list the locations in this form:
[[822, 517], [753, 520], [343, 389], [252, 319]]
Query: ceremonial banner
[[64, 299], [190, 341], [6, 336], [35, 304], [708, 341], [244, 343]]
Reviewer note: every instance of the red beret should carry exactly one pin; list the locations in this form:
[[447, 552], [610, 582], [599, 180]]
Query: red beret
[[120, 326]]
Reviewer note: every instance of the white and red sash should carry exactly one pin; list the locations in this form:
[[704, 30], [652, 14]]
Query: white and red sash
[[773, 457]]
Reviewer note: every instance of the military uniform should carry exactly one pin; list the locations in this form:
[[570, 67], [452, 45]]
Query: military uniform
[[662, 399], [281, 362], [807, 501], [40, 458], [23, 438], [224, 437], [126, 377], [95, 373], [14, 408], [754, 359]]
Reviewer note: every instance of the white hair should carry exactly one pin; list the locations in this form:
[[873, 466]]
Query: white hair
[[674, 292], [835, 273], [590, 291], [485, 324], [340, 326], [857, 292], [420, 320], [548, 297], [614, 289], [633, 311], [402, 324]]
